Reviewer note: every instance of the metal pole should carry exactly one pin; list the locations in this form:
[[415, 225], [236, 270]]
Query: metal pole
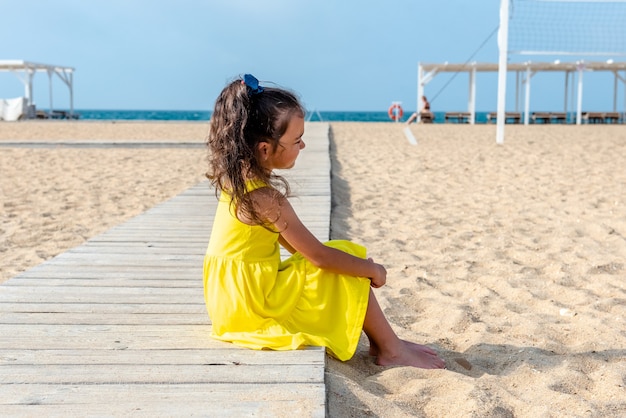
[[570, 94], [614, 91], [517, 82], [420, 91], [580, 94], [527, 97], [565, 96], [71, 94], [29, 86], [503, 40], [472, 95], [50, 88]]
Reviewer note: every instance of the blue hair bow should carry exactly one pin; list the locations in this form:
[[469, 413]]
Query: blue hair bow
[[252, 83]]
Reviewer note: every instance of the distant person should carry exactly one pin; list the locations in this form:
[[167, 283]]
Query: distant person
[[321, 295], [426, 116]]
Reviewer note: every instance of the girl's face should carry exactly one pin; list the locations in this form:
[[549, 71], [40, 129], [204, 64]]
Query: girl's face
[[288, 148]]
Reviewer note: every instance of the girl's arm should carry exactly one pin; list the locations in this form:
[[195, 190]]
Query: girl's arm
[[285, 244], [299, 238]]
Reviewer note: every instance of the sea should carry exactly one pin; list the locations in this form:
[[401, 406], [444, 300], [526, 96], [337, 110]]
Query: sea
[[203, 115]]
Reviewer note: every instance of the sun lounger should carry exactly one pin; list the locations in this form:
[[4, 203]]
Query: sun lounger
[[458, 117], [612, 117], [593, 117], [540, 117], [509, 117], [559, 117], [601, 117], [548, 117]]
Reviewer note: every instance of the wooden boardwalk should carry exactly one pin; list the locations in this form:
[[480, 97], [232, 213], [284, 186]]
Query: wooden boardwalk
[[118, 326]]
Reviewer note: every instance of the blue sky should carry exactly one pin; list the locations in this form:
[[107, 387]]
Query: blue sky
[[337, 55]]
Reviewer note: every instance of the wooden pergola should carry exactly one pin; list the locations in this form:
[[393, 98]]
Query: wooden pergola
[[26, 70], [524, 72]]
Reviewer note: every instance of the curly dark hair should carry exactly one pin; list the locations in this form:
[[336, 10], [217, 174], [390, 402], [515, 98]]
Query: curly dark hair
[[241, 119]]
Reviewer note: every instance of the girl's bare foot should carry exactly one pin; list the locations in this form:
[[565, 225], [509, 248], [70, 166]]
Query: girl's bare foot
[[420, 348], [373, 351], [411, 354]]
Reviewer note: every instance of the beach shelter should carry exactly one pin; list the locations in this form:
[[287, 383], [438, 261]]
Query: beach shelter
[[524, 72], [25, 71]]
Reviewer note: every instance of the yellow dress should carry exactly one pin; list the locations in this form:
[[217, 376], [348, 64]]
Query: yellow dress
[[257, 301]]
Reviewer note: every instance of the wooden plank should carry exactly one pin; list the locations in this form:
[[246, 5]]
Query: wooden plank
[[122, 259], [225, 354], [49, 292], [102, 318], [210, 400], [103, 294], [113, 272], [99, 282], [87, 341], [104, 247], [102, 331], [76, 374], [194, 393], [130, 309], [301, 406]]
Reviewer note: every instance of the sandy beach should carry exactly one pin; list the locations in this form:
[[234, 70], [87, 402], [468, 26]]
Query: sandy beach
[[510, 260]]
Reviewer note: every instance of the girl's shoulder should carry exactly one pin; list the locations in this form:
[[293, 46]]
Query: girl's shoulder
[[261, 191], [266, 201], [265, 197]]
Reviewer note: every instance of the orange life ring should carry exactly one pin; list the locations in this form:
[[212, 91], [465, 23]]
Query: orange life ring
[[395, 112]]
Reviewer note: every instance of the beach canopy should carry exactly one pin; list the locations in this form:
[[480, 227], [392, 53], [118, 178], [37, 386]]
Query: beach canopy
[[426, 72], [26, 70]]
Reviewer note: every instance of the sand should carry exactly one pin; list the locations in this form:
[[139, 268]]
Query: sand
[[510, 260]]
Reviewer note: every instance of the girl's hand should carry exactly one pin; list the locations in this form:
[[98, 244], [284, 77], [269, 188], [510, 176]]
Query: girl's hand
[[379, 278]]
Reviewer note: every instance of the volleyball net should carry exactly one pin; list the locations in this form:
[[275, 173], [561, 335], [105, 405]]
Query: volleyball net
[[567, 27]]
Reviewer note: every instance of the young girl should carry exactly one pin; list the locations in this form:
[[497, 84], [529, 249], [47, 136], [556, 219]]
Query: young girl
[[321, 295]]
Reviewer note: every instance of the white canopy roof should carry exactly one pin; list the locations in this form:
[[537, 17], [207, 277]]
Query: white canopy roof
[[20, 65], [529, 65]]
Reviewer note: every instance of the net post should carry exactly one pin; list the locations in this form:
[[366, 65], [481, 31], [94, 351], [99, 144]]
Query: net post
[[503, 35]]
